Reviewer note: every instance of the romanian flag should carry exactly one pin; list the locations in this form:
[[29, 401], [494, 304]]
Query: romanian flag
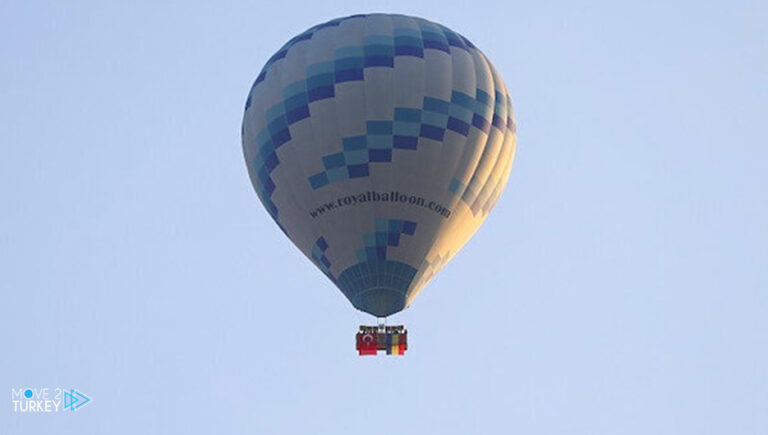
[[396, 344]]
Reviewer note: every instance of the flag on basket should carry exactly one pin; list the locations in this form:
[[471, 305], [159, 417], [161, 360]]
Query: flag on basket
[[367, 343], [396, 344]]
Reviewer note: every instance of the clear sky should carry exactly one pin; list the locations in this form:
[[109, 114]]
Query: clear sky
[[619, 287]]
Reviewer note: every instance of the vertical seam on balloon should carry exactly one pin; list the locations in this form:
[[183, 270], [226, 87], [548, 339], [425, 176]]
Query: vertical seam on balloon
[[416, 283], [506, 171], [370, 212], [317, 228], [332, 223], [508, 146], [336, 46], [260, 112], [389, 206], [480, 59], [289, 187], [466, 154], [500, 160], [427, 176]]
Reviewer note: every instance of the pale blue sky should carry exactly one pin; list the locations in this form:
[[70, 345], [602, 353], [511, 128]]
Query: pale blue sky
[[619, 287]]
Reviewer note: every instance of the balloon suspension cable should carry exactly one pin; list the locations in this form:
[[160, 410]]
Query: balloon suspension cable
[[381, 323]]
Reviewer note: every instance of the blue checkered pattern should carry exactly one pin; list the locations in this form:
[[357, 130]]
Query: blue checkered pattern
[[318, 255], [376, 284], [382, 136], [456, 187], [379, 50], [378, 288], [430, 121], [387, 233]]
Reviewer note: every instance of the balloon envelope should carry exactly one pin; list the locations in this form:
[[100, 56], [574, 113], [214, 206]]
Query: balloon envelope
[[379, 144]]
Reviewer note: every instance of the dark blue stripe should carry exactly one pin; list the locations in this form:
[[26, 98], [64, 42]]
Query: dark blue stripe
[[458, 126], [498, 122], [481, 123], [349, 75], [334, 161], [320, 93], [261, 77], [322, 244], [376, 155], [371, 61], [408, 50], [358, 171], [437, 45], [277, 56], [297, 114], [269, 186], [431, 132], [409, 227], [271, 162], [281, 137], [393, 239], [318, 180], [405, 142]]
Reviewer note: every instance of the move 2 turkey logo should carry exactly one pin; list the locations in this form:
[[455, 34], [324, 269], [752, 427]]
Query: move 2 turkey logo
[[47, 400]]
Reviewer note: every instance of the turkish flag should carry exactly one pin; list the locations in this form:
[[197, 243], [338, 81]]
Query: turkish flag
[[367, 343]]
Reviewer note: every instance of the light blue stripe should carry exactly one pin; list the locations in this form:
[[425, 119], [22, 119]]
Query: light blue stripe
[[406, 128], [379, 40], [295, 88], [352, 51], [379, 141], [461, 113], [356, 157], [435, 119], [320, 68]]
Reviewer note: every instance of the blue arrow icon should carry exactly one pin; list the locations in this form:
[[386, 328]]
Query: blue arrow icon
[[69, 400], [75, 399]]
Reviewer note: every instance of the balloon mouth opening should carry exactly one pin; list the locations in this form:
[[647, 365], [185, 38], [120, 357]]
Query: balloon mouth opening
[[380, 301]]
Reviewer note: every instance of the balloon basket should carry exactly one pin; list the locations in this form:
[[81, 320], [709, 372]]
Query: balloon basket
[[391, 339]]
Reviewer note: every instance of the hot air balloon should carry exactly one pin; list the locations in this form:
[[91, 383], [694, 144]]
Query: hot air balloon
[[379, 144]]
